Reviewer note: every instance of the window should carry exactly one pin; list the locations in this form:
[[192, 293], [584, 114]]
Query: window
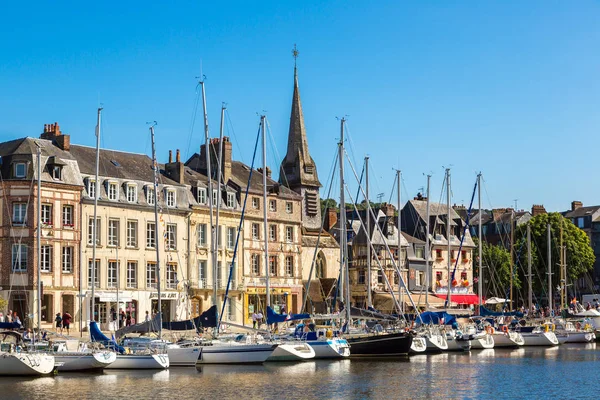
[[255, 231], [91, 232], [418, 278], [150, 235], [131, 274], [289, 234], [273, 265], [67, 216], [94, 268], [91, 188], [202, 277], [438, 254], [150, 196], [230, 237], [256, 203], [113, 232], [55, 172], [113, 191], [46, 259], [272, 205], [67, 259], [19, 214], [465, 255], [289, 207], [362, 277], [420, 252], [230, 200], [379, 277], [46, 214], [581, 222], [215, 197], [20, 170], [131, 193], [171, 276], [132, 227], [219, 275], [151, 275], [201, 196], [112, 274], [289, 266], [201, 235], [171, 237], [170, 197], [453, 253], [231, 309], [19, 257], [255, 264], [273, 233]]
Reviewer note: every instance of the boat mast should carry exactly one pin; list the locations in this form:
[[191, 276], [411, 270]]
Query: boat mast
[[155, 171], [210, 204], [427, 251], [480, 243], [39, 241], [94, 230], [448, 233], [265, 204], [529, 266], [563, 281], [343, 232], [219, 197], [512, 251], [399, 252], [550, 302], [369, 278]]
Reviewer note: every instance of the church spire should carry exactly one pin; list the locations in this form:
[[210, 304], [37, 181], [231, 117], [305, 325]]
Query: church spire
[[298, 168]]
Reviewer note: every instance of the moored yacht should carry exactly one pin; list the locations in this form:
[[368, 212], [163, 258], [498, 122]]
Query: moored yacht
[[14, 360]]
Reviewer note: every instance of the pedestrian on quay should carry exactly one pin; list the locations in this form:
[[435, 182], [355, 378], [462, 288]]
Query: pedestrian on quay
[[66, 320], [259, 318], [1, 317], [58, 321], [8, 317], [122, 318], [16, 319], [147, 319], [254, 320], [128, 319]]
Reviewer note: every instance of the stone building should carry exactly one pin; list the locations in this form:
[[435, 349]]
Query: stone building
[[61, 187]]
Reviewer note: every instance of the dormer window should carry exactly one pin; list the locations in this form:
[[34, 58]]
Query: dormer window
[[201, 196], [113, 191], [170, 197], [19, 170], [55, 166], [215, 197], [131, 192], [230, 200], [91, 188], [150, 195]]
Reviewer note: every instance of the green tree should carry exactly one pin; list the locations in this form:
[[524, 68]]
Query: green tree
[[580, 255], [496, 262], [3, 303]]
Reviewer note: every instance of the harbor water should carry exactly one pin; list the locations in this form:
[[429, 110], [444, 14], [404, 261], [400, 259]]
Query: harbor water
[[567, 371]]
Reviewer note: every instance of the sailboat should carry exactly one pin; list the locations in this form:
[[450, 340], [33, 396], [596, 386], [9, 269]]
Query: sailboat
[[15, 359]]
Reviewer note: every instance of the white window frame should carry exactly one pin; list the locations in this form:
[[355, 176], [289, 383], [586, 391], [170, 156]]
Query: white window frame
[[46, 258], [131, 237], [289, 234], [215, 197], [56, 172], [68, 216], [112, 191], [150, 235], [230, 200], [272, 205], [132, 193], [151, 279], [255, 264], [201, 197], [170, 198], [289, 266], [46, 216], [171, 237], [132, 274], [171, 276], [97, 272], [201, 232], [289, 207], [230, 309], [16, 167], [19, 215], [90, 240], [230, 238], [150, 197], [113, 232], [202, 274], [111, 276], [256, 203], [273, 267], [19, 257], [273, 233], [91, 187], [67, 259], [255, 231]]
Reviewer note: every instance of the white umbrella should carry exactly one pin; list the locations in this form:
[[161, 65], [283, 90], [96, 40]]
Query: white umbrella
[[496, 300]]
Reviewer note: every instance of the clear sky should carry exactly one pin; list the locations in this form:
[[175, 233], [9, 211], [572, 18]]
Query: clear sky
[[509, 88]]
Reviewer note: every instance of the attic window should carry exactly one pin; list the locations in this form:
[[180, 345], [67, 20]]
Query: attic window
[[115, 163], [19, 170], [55, 166], [309, 169]]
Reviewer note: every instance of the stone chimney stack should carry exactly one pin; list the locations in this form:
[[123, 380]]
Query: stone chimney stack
[[52, 132], [575, 205], [537, 209], [178, 157], [268, 171], [388, 209], [175, 170], [214, 155]]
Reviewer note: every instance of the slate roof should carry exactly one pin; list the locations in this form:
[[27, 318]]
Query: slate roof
[[239, 176], [582, 212]]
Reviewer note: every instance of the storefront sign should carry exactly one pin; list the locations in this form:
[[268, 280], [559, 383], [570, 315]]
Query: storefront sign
[[154, 295]]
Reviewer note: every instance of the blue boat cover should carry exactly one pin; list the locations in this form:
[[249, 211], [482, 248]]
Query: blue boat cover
[[10, 325], [97, 336], [430, 317], [274, 318], [484, 312], [208, 319]]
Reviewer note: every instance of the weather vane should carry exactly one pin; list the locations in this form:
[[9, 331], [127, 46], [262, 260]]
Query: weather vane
[[295, 53]]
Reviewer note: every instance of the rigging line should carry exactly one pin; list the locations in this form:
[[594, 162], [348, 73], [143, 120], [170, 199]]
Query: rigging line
[[193, 120], [351, 143], [504, 237], [274, 150], [235, 138]]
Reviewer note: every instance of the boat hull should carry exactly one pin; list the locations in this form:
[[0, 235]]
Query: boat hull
[[508, 340], [480, 342], [540, 339], [458, 345], [418, 345], [25, 364], [74, 361], [581, 337], [330, 348], [292, 352], [183, 356], [140, 361], [436, 343], [380, 345], [235, 354]]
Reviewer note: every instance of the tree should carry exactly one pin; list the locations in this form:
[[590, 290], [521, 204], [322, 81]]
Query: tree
[[580, 255], [497, 274], [3, 303]]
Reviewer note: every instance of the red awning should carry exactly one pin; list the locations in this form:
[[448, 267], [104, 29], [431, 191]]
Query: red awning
[[461, 298]]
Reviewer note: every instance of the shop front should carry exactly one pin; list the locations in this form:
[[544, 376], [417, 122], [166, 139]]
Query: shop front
[[283, 300]]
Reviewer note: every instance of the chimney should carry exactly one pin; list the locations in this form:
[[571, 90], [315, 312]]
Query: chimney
[[178, 157], [52, 132], [175, 170], [214, 155], [575, 205], [331, 219], [268, 171], [388, 209], [537, 209], [419, 197]]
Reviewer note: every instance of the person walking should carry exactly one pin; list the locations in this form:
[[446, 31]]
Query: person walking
[[66, 320], [147, 319], [58, 321]]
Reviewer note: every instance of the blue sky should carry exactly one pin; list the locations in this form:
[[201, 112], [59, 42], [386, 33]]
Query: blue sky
[[508, 88]]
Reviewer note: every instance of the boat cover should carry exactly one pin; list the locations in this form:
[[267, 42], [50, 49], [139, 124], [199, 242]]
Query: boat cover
[[484, 312], [274, 318], [143, 327], [10, 325], [97, 336], [208, 319], [370, 313], [441, 317]]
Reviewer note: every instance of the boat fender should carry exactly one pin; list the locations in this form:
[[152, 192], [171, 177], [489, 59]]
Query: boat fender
[[553, 327], [329, 334], [546, 328], [504, 328]]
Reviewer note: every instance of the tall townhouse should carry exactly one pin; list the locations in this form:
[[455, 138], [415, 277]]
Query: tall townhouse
[[61, 187], [126, 239]]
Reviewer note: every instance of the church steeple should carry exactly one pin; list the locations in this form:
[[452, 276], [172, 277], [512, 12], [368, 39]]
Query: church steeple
[[298, 170]]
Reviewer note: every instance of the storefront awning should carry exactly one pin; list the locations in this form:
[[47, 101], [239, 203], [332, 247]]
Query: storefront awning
[[461, 298], [111, 297]]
